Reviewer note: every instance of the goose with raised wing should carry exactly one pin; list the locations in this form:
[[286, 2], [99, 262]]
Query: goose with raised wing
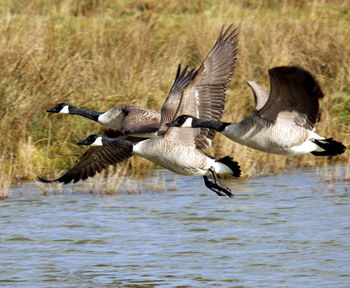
[[283, 121], [122, 120], [199, 93]]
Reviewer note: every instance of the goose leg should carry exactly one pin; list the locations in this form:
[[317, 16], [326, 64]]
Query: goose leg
[[212, 186], [220, 186], [216, 186]]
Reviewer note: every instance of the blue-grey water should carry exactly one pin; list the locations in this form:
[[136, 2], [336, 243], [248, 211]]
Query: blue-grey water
[[288, 230]]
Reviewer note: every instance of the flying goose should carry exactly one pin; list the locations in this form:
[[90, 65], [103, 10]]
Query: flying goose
[[124, 119], [200, 93], [283, 121]]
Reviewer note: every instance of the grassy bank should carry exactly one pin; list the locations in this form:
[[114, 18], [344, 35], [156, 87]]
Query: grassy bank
[[97, 54]]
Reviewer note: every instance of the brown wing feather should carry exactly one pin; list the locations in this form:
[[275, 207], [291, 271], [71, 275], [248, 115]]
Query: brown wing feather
[[260, 94], [93, 161], [294, 95], [172, 101], [140, 121]]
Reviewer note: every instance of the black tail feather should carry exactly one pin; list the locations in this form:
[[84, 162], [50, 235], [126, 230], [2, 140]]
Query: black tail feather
[[330, 146], [233, 165]]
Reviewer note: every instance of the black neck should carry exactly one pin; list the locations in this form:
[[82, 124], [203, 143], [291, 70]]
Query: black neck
[[124, 145], [215, 125], [93, 115]]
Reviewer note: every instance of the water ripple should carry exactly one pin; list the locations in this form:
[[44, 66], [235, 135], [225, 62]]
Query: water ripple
[[280, 231]]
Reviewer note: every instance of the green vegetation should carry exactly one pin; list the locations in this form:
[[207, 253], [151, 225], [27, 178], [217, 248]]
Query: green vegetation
[[97, 54]]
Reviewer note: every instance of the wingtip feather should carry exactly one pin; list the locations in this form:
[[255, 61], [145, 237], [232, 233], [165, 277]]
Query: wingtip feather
[[42, 180]]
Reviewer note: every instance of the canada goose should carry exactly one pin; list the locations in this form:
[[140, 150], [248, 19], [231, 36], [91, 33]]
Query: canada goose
[[201, 93], [124, 119], [284, 120]]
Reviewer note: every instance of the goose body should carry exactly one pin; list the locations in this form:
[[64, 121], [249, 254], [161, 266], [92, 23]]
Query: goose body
[[179, 158], [124, 119], [283, 121], [255, 133], [199, 93]]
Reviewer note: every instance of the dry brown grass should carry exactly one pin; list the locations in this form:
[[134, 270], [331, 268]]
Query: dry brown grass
[[97, 54]]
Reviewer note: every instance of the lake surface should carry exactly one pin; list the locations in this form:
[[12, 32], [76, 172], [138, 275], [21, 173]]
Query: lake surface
[[288, 230]]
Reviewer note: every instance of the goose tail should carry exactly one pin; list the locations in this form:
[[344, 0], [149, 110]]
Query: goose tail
[[330, 147], [233, 166]]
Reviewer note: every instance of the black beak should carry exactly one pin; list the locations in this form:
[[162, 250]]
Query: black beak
[[171, 123], [53, 110], [84, 142]]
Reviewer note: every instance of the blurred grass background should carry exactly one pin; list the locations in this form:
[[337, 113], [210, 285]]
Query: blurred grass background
[[98, 54]]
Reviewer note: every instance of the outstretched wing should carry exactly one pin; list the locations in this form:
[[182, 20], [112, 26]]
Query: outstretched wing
[[294, 95], [204, 96], [260, 94], [173, 99], [94, 160]]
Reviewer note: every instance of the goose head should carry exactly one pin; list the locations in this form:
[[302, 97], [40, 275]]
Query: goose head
[[93, 140], [60, 108], [184, 121]]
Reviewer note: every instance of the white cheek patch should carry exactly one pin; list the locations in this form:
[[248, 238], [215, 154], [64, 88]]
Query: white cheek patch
[[97, 142], [64, 110], [187, 123]]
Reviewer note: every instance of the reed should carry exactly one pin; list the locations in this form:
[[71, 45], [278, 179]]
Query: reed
[[334, 174], [5, 178], [114, 183], [98, 54], [120, 182]]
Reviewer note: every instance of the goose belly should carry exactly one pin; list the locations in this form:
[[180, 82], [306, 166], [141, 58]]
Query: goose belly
[[275, 138], [184, 160]]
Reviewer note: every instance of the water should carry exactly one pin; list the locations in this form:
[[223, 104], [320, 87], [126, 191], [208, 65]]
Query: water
[[289, 230]]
